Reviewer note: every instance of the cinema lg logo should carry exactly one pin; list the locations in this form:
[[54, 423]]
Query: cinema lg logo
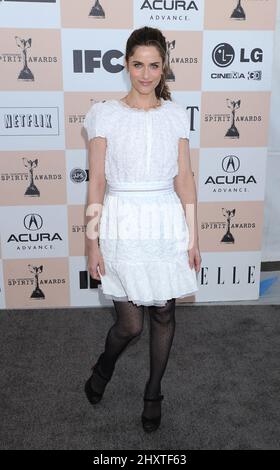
[[224, 54]]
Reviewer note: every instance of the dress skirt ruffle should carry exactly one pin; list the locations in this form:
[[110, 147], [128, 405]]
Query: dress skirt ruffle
[[144, 243]]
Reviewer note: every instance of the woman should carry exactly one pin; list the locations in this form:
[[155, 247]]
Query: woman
[[144, 137]]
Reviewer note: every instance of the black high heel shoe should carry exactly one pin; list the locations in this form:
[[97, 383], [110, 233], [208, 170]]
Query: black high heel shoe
[[94, 396], [151, 424]]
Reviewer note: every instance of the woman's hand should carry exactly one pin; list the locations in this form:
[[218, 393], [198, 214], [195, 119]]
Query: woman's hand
[[95, 263], [194, 257]]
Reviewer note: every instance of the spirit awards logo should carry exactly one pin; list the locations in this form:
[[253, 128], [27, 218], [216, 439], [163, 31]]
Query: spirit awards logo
[[248, 119], [97, 11], [32, 189], [37, 292], [238, 13], [232, 132], [25, 74], [170, 46], [228, 237], [170, 77]]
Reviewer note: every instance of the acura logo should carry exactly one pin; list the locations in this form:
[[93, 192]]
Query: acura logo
[[33, 221], [230, 163]]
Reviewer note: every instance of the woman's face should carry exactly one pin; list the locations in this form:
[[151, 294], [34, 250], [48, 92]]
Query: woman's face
[[145, 69]]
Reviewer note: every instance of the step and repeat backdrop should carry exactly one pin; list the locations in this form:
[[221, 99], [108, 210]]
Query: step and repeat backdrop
[[59, 57]]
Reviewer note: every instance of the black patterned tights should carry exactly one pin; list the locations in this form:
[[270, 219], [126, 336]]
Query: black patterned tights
[[128, 325]]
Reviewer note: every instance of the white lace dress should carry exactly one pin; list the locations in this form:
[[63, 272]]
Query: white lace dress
[[143, 232]]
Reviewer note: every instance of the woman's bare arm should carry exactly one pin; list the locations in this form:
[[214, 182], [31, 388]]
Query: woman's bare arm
[[185, 188], [96, 189]]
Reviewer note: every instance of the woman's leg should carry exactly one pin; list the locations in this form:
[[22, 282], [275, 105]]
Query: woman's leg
[[162, 329], [128, 325]]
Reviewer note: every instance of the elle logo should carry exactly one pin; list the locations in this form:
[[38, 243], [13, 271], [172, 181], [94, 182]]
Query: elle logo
[[230, 276]]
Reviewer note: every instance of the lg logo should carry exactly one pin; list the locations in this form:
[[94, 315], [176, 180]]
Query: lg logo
[[223, 55]]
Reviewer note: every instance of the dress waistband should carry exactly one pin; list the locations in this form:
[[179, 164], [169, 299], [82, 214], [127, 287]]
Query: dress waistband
[[142, 187]]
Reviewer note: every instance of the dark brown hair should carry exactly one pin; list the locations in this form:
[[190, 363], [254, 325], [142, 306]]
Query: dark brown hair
[[148, 36]]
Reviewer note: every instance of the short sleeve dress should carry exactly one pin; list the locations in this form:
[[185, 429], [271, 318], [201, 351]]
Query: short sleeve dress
[[143, 234]]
